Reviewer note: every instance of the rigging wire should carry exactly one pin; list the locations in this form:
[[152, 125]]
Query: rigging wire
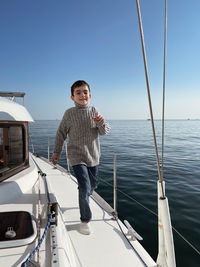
[[160, 172], [149, 96], [163, 105]]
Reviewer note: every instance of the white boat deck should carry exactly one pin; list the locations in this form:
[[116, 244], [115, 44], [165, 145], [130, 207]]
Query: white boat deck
[[107, 245]]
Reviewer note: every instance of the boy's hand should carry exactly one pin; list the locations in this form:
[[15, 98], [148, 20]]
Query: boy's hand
[[57, 158], [98, 118]]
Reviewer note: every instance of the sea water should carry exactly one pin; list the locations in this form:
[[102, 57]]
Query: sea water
[[137, 175]]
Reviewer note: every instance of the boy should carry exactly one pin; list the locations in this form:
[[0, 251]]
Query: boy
[[82, 124]]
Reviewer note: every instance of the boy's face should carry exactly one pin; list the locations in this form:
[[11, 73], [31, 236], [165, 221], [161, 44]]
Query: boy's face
[[81, 95]]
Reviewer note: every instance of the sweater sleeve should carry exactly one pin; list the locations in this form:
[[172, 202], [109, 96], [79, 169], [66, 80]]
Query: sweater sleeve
[[61, 135], [103, 127]]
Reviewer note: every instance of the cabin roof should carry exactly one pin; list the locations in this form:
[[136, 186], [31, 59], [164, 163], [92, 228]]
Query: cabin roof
[[13, 109]]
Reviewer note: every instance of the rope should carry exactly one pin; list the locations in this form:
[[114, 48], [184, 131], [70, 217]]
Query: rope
[[40, 242]]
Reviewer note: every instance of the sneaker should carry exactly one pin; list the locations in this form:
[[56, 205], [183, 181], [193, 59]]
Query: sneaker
[[85, 228]]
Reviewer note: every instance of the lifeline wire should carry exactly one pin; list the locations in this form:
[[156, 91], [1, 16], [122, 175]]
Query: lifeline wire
[[154, 213]]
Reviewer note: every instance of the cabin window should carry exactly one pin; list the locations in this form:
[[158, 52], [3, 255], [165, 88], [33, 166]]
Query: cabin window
[[13, 149]]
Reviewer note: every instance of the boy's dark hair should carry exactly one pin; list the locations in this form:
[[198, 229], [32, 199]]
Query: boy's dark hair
[[78, 84]]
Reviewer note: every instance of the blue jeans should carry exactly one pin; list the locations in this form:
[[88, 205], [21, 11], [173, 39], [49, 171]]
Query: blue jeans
[[87, 178]]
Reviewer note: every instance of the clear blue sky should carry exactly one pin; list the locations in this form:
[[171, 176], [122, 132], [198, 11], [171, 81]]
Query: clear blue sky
[[46, 45]]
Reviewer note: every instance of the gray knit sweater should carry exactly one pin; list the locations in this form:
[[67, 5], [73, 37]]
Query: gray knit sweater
[[83, 142]]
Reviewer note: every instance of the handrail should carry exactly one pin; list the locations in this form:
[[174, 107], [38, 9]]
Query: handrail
[[11, 94]]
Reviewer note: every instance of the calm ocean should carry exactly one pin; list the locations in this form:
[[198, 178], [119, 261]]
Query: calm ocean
[[137, 177]]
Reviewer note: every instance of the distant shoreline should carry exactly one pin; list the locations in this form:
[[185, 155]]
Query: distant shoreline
[[128, 120]]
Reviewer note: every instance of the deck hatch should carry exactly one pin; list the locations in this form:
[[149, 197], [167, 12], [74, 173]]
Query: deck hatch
[[21, 224]]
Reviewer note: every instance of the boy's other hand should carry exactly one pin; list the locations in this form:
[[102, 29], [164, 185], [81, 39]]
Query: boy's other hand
[[98, 118], [55, 158]]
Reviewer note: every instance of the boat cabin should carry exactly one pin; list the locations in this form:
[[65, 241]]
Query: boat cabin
[[14, 118]]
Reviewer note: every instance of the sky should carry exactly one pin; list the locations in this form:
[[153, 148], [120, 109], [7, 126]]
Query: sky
[[46, 45]]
